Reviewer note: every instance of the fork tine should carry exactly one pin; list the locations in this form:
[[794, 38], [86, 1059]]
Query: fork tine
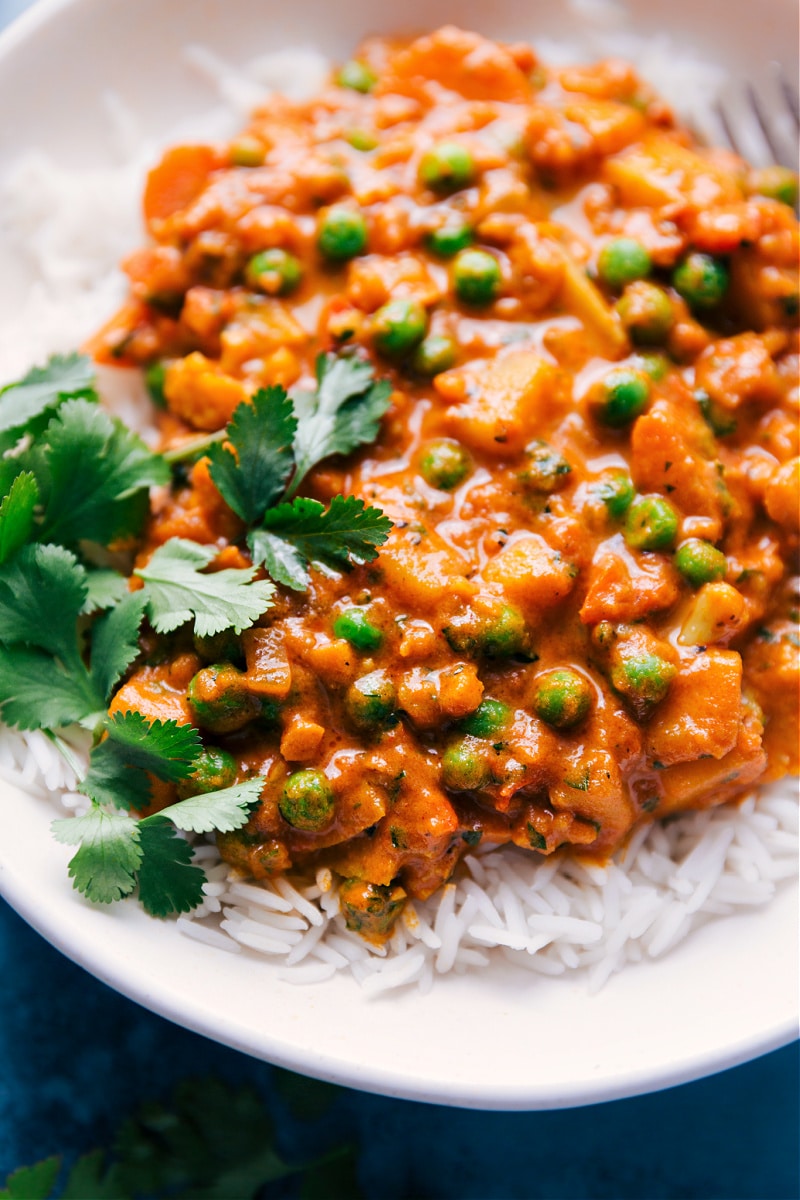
[[774, 144], [791, 97]]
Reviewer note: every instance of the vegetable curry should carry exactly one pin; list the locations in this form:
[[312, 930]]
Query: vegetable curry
[[585, 613]]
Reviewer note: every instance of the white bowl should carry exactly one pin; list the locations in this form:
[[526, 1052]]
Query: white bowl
[[494, 1040]]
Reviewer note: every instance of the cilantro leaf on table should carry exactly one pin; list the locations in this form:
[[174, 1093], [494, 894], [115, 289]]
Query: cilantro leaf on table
[[305, 533], [344, 412], [167, 880], [32, 1183], [108, 856], [43, 389], [94, 475], [16, 514], [253, 474], [177, 591]]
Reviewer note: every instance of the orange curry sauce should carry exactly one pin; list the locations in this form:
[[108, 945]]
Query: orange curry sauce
[[527, 563]]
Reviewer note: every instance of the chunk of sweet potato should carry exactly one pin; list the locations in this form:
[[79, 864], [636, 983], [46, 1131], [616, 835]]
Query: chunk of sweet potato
[[701, 713]]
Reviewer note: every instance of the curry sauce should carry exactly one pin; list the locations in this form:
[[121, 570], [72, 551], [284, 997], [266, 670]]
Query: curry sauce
[[586, 613]]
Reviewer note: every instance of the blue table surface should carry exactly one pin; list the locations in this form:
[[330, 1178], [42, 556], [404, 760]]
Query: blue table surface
[[76, 1059]]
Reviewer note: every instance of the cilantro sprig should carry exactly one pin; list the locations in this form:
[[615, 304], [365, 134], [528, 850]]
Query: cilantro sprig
[[117, 851], [74, 482], [270, 446]]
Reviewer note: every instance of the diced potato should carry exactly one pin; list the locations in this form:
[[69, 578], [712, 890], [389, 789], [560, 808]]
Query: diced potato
[[268, 671], [666, 450], [591, 787], [301, 739], [462, 62], [660, 171], [717, 612], [701, 713], [707, 782], [582, 298], [197, 391], [422, 570], [531, 573], [504, 401], [625, 587], [159, 692], [782, 497], [610, 125]]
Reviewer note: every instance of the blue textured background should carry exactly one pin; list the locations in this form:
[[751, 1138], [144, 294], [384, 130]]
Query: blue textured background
[[76, 1059]]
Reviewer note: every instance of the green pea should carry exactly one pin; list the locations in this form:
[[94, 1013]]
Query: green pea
[[436, 353], [275, 272], [653, 364], [219, 647], [247, 151], [444, 463], [370, 701], [448, 240], [719, 420], [370, 908], [447, 167], [154, 377], [490, 718], [307, 801], [219, 699], [362, 139], [779, 183], [622, 396], [562, 697], [622, 260], [214, 769], [342, 233], [646, 313], [505, 635], [651, 524], [355, 627], [616, 490], [476, 277], [465, 767], [357, 76], [644, 679], [701, 280], [546, 470], [699, 562], [399, 326]]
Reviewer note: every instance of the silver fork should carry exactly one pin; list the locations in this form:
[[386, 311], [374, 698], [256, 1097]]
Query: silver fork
[[761, 122]]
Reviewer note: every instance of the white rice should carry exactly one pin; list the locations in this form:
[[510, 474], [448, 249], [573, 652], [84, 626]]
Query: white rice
[[544, 916]]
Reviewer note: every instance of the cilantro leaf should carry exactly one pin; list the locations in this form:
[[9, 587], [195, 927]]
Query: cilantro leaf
[[111, 780], [261, 434], [105, 588], [37, 692], [32, 1183], [224, 810], [44, 388], [115, 642], [96, 478], [42, 590], [16, 514], [164, 748], [305, 532], [177, 591], [109, 853], [167, 881], [343, 413]]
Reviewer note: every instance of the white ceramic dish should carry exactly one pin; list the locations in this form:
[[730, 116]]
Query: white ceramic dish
[[726, 995]]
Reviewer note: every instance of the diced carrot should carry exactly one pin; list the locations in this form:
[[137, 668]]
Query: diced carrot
[[177, 180]]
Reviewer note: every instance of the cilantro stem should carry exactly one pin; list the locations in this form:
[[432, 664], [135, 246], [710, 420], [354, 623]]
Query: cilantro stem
[[194, 446], [68, 754]]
